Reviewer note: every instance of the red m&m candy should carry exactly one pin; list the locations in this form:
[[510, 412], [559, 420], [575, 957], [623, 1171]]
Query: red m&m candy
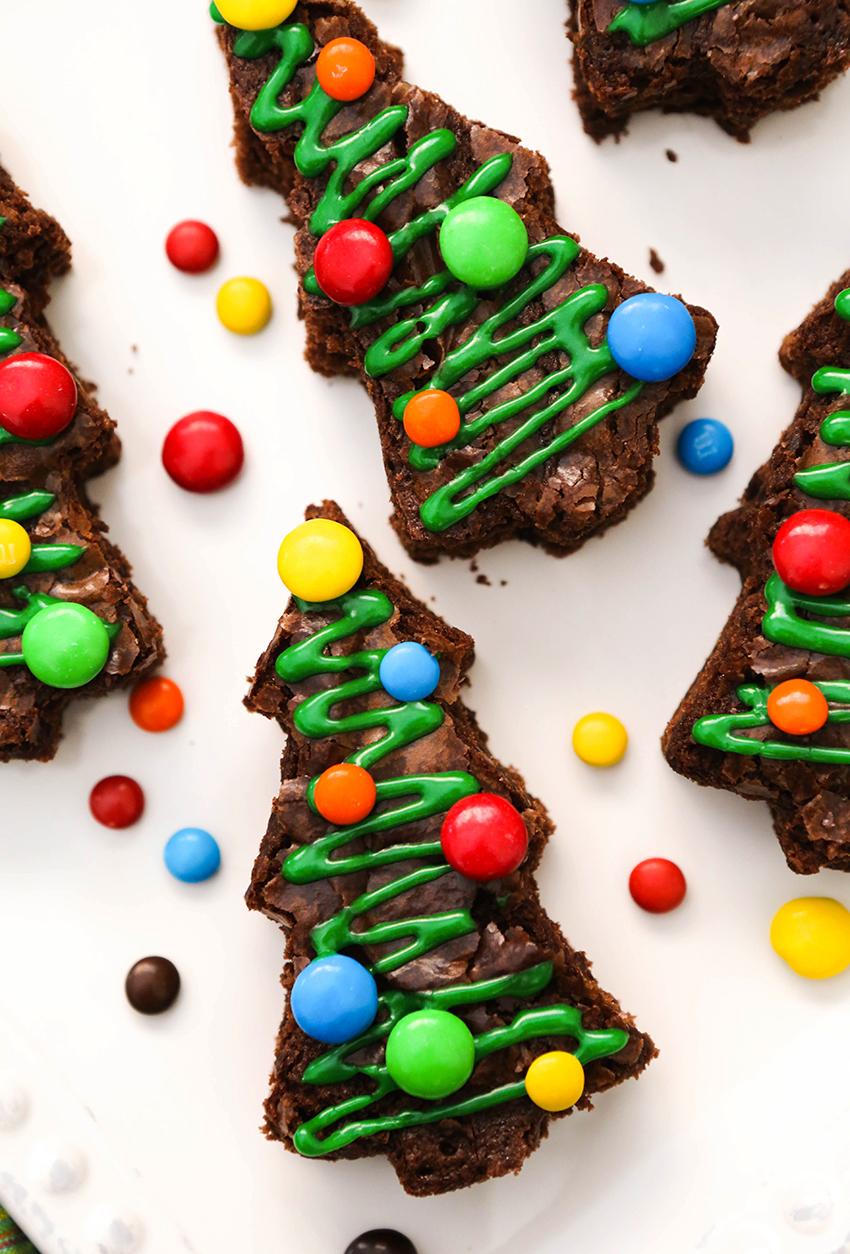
[[811, 552], [484, 837], [798, 707], [203, 452], [192, 247], [38, 396], [353, 261], [657, 885], [117, 801]]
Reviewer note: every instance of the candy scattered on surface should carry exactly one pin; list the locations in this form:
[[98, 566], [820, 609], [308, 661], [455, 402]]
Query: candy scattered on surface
[[353, 261], [555, 1081], [431, 418], [117, 801], [244, 305], [334, 999], [192, 855], [156, 704], [152, 985], [381, 1241], [811, 552], [15, 548], [705, 445], [483, 242], [657, 885], [65, 645], [797, 707], [38, 396], [430, 1054], [56, 1165], [812, 934], [600, 739], [409, 672], [484, 837], [344, 794], [651, 336], [192, 246], [345, 69], [320, 560], [203, 452], [255, 14]]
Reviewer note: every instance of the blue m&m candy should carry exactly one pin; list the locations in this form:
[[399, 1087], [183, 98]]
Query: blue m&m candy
[[192, 855], [651, 336], [409, 672], [334, 999], [705, 446]]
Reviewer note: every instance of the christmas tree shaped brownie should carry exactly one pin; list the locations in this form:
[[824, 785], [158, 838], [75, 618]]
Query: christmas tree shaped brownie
[[71, 620], [769, 715], [435, 1014], [732, 60], [517, 379]]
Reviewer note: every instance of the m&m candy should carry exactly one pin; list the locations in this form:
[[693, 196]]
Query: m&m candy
[[345, 69], [381, 1241], [797, 707], [484, 837], [117, 801], [705, 446], [192, 247], [600, 739], [156, 705], [483, 242], [555, 1081], [38, 396], [152, 986], [203, 452], [430, 1054], [334, 999], [65, 645], [255, 14], [431, 418], [344, 794], [651, 336], [15, 548], [811, 552], [409, 672], [812, 934], [657, 885], [353, 261], [192, 855], [320, 560], [244, 305]]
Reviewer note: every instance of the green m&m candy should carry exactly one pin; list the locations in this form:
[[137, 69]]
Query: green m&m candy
[[484, 242], [65, 645], [430, 1053]]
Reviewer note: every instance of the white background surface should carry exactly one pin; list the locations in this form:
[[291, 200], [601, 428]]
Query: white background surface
[[115, 117]]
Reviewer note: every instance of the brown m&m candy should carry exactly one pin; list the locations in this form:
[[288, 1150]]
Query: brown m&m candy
[[152, 985], [381, 1241]]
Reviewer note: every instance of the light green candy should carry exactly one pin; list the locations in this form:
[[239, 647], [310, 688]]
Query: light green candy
[[430, 1054], [484, 242], [65, 645]]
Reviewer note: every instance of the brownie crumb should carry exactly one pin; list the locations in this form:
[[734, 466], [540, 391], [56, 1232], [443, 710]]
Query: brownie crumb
[[655, 262], [503, 583], [671, 155], [482, 579]]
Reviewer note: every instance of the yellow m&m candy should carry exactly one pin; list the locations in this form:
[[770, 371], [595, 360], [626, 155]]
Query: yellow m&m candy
[[320, 560], [555, 1081], [812, 934], [255, 14], [15, 548], [244, 305], [600, 739]]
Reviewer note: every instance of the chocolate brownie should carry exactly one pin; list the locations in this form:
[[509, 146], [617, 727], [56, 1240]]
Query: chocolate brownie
[[43, 491], [731, 60], [496, 959], [723, 733], [556, 442]]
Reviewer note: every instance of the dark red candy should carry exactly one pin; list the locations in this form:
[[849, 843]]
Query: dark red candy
[[117, 801], [484, 837], [192, 247], [381, 1241], [811, 552], [38, 396], [152, 985], [353, 261], [657, 885], [203, 452]]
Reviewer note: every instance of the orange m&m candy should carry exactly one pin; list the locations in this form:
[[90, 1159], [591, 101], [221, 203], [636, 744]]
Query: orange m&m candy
[[797, 707], [431, 418], [156, 704], [344, 794], [345, 69]]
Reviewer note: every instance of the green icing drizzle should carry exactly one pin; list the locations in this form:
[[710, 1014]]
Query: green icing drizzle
[[418, 797], [644, 23], [9, 339], [13, 622], [43, 556]]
